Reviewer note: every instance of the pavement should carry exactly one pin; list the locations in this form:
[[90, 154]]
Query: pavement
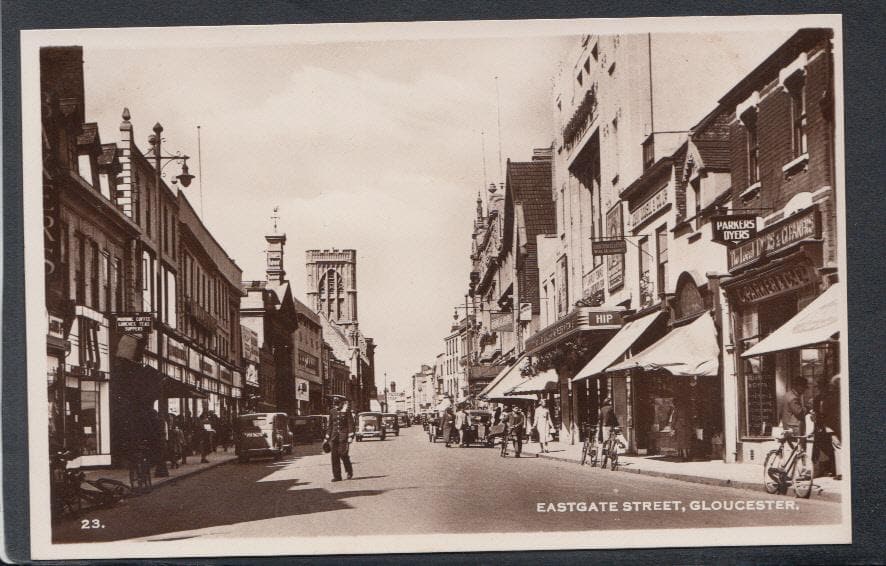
[[408, 485], [184, 470], [711, 472]]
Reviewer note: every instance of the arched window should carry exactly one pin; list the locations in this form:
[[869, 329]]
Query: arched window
[[332, 294]]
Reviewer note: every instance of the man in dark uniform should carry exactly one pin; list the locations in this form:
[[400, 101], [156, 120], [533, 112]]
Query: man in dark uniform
[[339, 435]]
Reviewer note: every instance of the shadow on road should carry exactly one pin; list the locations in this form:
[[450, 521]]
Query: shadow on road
[[225, 495]]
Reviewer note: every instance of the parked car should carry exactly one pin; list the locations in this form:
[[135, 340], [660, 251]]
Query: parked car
[[369, 425], [307, 428], [262, 435], [391, 423]]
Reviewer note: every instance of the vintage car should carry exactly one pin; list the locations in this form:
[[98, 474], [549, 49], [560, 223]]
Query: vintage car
[[391, 423], [479, 423], [307, 428], [403, 419], [262, 435], [369, 425]]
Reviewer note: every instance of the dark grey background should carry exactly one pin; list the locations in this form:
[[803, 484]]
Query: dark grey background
[[864, 96]]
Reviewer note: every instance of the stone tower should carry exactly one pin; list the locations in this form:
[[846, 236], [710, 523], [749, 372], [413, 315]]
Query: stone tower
[[274, 270], [332, 284]]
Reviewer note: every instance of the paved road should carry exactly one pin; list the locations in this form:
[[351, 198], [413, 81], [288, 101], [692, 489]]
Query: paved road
[[408, 485]]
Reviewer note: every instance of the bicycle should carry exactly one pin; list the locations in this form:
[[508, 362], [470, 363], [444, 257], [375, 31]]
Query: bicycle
[[140, 469], [780, 472], [590, 446], [505, 438], [610, 449], [68, 491]]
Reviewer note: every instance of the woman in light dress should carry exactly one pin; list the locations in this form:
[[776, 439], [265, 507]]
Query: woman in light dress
[[543, 425]]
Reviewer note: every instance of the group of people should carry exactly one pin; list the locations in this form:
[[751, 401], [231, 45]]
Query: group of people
[[170, 440], [811, 406], [513, 421]]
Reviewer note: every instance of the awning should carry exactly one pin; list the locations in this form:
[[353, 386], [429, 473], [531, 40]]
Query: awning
[[172, 388], [689, 350], [617, 346], [544, 381], [504, 382], [443, 405], [815, 324]]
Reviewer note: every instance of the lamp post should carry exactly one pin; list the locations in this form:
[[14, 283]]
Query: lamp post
[[156, 141]]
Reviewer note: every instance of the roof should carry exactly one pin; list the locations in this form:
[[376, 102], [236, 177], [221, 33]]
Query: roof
[[529, 183], [223, 262], [335, 338], [304, 311], [714, 153]]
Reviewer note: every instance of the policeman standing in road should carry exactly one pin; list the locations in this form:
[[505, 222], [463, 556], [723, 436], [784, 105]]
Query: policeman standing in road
[[340, 434]]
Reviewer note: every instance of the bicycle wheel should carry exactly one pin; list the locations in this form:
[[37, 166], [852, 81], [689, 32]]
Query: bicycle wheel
[[595, 456], [771, 473], [801, 476], [584, 452], [613, 459]]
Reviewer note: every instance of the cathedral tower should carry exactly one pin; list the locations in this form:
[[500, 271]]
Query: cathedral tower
[[332, 284]]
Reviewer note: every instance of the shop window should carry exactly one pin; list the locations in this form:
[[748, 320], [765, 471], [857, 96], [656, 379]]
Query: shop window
[[89, 417], [80, 271]]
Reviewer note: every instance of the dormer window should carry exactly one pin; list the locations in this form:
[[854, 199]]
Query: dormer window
[[648, 152]]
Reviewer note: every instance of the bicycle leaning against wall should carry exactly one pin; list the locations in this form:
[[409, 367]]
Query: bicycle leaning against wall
[[783, 469], [589, 450]]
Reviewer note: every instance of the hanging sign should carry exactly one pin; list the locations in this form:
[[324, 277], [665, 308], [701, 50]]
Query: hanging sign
[[733, 228], [135, 323], [609, 247]]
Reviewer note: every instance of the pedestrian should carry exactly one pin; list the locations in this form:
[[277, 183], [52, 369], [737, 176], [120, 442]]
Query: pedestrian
[[216, 431], [448, 423], [461, 426], [157, 431], [206, 433], [826, 448], [517, 424], [339, 435], [496, 415], [608, 420], [794, 408], [176, 440], [543, 425]]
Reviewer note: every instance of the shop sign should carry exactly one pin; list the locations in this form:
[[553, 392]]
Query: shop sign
[[252, 375], [578, 320], [770, 285], [238, 378], [225, 374], [799, 227], [525, 312], [51, 234], [134, 323], [501, 321], [56, 327], [593, 284], [651, 206], [176, 351], [250, 344], [615, 263], [733, 228], [302, 391], [609, 247], [207, 366]]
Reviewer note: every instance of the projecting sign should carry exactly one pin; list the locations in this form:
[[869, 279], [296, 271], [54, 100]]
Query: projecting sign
[[137, 323], [734, 228], [609, 247], [525, 312]]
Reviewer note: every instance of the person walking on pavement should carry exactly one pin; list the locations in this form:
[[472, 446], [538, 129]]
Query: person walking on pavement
[[496, 415], [205, 433], [516, 424], [340, 434], [461, 425], [448, 423], [542, 423]]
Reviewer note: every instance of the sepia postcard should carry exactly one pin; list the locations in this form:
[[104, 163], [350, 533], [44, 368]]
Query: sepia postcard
[[601, 296]]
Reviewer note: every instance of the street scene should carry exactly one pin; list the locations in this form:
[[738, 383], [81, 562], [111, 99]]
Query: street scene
[[601, 284]]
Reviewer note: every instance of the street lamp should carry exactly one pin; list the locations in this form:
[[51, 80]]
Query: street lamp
[[156, 141]]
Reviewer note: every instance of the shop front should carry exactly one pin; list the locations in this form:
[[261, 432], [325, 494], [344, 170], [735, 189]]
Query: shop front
[[776, 277], [565, 347]]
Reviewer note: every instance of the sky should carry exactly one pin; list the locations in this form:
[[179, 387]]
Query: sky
[[372, 145]]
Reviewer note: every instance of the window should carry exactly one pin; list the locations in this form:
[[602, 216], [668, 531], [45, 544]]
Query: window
[[148, 210], [750, 122], [646, 287], [648, 152], [118, 292], [94, 277], [80, 271], [106, 279], [661, 238], [797, 89]]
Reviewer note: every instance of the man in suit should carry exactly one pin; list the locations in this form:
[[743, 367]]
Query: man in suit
[[340, 434], [517, 425]]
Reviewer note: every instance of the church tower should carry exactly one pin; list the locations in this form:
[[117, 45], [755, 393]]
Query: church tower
[[274, 269], [332, 284]]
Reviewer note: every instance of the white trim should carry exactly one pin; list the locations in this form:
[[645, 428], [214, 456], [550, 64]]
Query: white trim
[[795, 163], [753, 188], [750, 103], [798, 65]]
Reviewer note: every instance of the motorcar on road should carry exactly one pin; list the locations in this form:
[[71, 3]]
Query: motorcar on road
[[391, 423], [479, 423], [262, 435], [307, 428], [369, 425], [403, 419]]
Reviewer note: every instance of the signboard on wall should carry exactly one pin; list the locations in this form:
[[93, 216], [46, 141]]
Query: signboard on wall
[[302, 390], [609, 247], [798, 227], [733, 228], [649, 207], [615, 263], [525, 312], [502, 321]]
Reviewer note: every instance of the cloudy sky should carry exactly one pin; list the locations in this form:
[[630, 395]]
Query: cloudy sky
[[373, 145]]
